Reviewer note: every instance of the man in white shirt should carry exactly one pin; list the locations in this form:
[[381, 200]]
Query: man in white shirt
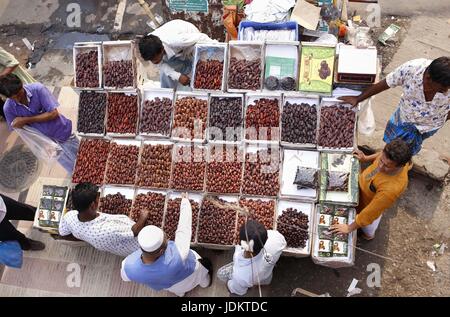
[[425, 104], [254, 259], [111, 233], [168, 265], [171, 47], [14, 210]]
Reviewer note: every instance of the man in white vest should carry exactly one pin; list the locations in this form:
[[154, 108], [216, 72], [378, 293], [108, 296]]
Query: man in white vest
[[171, 48], [168, 265]]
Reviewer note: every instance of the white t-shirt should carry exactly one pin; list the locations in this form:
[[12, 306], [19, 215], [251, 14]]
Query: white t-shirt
[[261, 265], [179, 38], [425, 115], [2, 209], [110, 233]]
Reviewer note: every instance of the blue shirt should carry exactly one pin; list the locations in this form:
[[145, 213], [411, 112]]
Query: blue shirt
[[40, 100], [168, 270]]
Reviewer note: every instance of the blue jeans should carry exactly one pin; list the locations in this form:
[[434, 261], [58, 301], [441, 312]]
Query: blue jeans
[[69, 155], [178, 64]]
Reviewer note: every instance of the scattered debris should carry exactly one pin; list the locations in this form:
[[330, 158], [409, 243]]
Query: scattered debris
[[28, 44], [352, 289], [152, 25], [439, 249], [308, 293], [442, 248], [11, 44], [389, 33], [431, 265]]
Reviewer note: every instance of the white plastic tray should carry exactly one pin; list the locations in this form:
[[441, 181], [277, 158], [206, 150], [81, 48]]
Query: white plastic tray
[[308, 209], [291, 160], [198, 95], [299, 98], [80, 47], [151, 94], [250, 98]]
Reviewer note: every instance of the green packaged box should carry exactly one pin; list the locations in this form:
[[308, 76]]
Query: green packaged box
[[339, 220], [325, 220], [44, 217], [317, 68], [340, 249]]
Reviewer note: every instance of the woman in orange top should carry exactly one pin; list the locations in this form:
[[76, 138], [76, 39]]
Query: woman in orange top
[[380, 185]]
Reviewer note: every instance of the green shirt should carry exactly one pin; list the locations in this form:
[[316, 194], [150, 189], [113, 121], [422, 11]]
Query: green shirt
[[8, 60]]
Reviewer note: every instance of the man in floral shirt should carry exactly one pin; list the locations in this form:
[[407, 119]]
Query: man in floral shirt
[[425, 104]]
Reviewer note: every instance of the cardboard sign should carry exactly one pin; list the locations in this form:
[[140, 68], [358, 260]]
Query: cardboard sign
[[316, 69], [188, 6]]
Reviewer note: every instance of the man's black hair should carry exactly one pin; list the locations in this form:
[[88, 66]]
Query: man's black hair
[[10, 85], [398, 151], [439, 70], [150, 46], [83, 195], [256, 232]]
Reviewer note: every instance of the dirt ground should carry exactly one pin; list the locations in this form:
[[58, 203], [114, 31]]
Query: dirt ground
[[421, 220], [387, 51]]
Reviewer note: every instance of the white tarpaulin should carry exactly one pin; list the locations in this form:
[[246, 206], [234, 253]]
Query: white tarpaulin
[[268, 10]]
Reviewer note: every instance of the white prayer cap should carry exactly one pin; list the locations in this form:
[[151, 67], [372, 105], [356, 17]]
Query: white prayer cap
[[150, 238]]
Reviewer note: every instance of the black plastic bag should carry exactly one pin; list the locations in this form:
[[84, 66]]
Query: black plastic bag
[[306, 178], [338, 181]]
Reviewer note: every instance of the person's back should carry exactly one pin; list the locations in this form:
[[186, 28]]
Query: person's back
[[170, 265], [111, 233], [166, 271], [174, 29], [261, 266], [253, 260]]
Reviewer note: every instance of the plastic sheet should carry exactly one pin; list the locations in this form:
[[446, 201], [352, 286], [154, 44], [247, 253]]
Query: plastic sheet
[[42, 146]]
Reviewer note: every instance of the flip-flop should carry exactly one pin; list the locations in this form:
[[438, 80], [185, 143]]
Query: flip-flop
[[366, 237]]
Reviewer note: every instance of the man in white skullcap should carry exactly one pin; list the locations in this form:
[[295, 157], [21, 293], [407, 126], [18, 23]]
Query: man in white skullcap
[[254, 259], [168, 265]]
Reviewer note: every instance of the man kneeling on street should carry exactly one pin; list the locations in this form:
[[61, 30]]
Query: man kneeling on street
[[380, 185]]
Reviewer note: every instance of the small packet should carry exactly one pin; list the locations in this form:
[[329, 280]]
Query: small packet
[[46, 203], [58, 205], [340, 237], [60, 192], [325, 233], [44, 217], [340, 249], [55, 217], [325, 220], [47, 191], [341, 212], [324, 209], [339, 220], [325, 248]]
